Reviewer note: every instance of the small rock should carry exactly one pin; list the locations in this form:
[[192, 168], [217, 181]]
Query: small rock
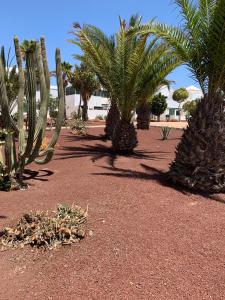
[[90, 233]]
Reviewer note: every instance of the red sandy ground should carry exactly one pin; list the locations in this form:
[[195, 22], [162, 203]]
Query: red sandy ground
[[145, 239]]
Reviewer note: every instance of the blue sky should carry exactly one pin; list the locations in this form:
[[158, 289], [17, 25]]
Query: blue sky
[[53, 19]]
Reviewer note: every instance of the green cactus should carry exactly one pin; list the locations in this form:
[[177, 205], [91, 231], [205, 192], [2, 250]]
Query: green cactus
[[27, 150]]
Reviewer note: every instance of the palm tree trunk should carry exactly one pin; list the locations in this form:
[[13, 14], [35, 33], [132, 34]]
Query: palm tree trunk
[[112, 119], [200, 156], [124, 138], [79, 106], [143, 116], [85, 110]]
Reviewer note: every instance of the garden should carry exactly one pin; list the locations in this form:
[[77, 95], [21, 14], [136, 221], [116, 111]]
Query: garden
[[124, 209]]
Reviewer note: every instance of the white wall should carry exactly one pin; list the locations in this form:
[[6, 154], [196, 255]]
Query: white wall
[[72, 104], [194, 93]]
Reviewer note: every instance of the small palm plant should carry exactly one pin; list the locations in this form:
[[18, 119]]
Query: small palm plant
[[200, 44]]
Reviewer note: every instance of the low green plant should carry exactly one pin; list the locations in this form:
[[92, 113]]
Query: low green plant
[[64, 226], [165, 132]]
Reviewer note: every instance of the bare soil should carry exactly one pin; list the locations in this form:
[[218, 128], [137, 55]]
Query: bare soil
[[145, 238]]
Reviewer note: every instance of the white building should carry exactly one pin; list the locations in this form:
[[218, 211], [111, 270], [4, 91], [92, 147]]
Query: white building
[[98, 104], [173, 107]]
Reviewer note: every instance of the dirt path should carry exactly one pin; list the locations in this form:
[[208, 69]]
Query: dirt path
[[145, 239]]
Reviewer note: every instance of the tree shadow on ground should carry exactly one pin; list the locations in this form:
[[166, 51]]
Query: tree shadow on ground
[[159, 176], [37, 175], [3, 217], [88, 137], [99, 151]]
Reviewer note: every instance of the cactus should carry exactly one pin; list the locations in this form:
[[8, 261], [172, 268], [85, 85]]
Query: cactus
[[28, 148]]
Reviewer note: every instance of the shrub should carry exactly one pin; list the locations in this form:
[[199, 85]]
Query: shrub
[[165, 132], [158, 105], [78, 126], [39, 229], [75, 115]]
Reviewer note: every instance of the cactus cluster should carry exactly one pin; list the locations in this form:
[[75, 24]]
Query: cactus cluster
[[22, 146]]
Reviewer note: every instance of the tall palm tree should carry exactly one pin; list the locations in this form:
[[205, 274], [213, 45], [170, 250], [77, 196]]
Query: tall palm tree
[[97, 37], [123, 64], [200, 44], [85, 81]]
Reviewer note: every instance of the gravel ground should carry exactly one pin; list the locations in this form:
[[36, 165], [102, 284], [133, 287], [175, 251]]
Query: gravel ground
[[145, 239]]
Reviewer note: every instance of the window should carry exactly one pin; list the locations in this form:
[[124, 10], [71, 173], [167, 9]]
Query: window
[[101, 93], [70, 91], [98, 108], [105, 106], [172, 111]]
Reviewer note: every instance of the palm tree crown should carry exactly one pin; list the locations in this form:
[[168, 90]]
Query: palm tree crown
[[200, 42], [128, 66]]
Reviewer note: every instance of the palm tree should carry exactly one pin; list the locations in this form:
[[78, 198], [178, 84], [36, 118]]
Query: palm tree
[[180, 96], [98, 37], [85, 81], [123, 65], [200, 44], [112, 119]]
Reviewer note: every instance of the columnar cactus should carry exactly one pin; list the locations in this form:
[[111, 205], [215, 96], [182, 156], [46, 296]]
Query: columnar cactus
[[23, 147]]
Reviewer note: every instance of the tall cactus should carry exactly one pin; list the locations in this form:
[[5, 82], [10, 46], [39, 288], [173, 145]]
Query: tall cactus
[[27, 149]]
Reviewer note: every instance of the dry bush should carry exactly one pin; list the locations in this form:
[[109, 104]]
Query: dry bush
[[78, 127], [39, 229]]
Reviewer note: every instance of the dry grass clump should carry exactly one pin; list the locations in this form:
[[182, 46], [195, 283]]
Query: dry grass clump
[[77, 126], [44, 144], [39, 229]]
